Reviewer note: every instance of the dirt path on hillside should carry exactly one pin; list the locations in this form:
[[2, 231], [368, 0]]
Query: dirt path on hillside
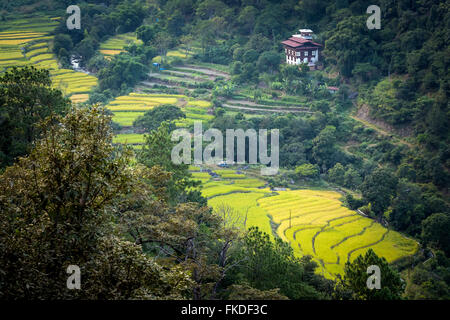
[[155, 83], [191, 75], [386, 130], [209, 72], [266, 110], [254, 104]]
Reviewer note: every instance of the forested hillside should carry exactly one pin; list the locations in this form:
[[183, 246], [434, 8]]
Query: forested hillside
[[89, 165]]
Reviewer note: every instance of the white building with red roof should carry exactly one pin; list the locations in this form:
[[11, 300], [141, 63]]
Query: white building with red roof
[[300, 48]]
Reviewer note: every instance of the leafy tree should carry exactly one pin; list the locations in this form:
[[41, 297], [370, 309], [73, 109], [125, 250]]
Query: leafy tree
[[128, 15], [62, 41], [352, 202], [364, 71], [246, 292], [250, 56], [307, 170], [355, 279], [26, 97], [430, 280], [269, 61], [146, 33], [157, 152], [246, 19], [205, 33], [175, 23], [86, 48], [123, 70], [407, 208], [336, 174], [324, 147], [268, 264], [153, 118], [435, 231], [352, 178], [56, 211], [208, 9], [350, 42], [379, 189], [186, 235]]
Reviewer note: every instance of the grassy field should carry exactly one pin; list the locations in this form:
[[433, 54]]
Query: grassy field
[[26, 42]]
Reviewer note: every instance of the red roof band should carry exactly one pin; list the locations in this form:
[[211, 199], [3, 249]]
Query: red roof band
[[295, 42]]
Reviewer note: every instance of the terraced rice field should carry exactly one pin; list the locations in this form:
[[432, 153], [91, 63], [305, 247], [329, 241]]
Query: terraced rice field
[[172, 54], [26, 42], [314, 222], [129, 138], [241, 193], [116, 44], [127, 108], [186, 76]]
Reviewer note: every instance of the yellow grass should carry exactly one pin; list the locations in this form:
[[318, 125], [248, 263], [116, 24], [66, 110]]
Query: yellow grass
[[110, 52], [15, 41], [79, 97], [314, 222]]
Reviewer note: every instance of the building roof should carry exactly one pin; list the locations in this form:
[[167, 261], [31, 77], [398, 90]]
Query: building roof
[[296, 42], [333, 88], [291, 43], [305, 30]]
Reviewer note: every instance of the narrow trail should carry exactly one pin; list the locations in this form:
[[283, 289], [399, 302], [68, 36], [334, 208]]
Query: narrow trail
[[157, 83], [254, 104], [266, 110], [362, 116], [190, 75], [206, 71]]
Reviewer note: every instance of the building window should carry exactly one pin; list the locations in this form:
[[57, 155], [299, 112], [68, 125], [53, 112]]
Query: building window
[[297, 54], [306, 53], [313, 53]]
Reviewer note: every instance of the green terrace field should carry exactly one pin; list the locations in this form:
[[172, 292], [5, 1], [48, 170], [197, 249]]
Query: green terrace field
[[116, 44], [127, 108], [314, 222], [26, 42], [187, 76], [179, 53]]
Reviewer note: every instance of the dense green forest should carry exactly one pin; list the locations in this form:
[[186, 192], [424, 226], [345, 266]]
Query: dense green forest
[[142, 223]]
